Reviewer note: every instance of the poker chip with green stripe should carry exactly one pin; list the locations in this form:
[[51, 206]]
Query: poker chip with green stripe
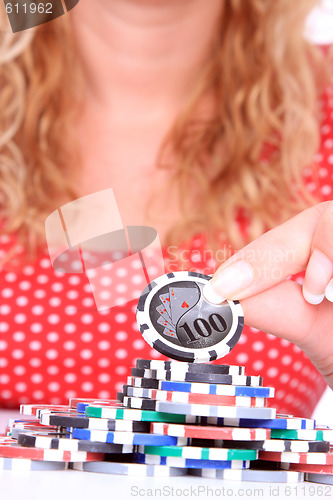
[[200, 453], [199, 331], [137, 415], [304, 434]]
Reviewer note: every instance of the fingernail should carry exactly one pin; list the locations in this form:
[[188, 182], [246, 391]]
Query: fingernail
[[322, 263], [329, 291], [319, 271], [226, 283], [210, 295], [313, 298]]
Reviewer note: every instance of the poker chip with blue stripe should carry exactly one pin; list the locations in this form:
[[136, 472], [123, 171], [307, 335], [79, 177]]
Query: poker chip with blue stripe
[[280, 422], [175, 319], [202, 388], [127, 438], [192, 463]]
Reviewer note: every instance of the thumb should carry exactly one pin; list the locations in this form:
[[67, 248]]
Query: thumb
[[269, 259]]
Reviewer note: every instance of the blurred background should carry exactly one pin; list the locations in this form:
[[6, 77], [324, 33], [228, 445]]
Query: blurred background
[[319, 26], [318, 29]]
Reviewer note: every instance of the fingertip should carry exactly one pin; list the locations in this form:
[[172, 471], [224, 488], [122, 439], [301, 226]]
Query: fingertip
[[313, 298], [211, 296], [329, 291]]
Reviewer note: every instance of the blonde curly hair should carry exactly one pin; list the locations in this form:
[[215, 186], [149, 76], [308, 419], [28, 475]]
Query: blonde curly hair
[[265, 79]]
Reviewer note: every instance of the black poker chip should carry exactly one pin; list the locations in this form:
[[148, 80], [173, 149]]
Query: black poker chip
[[210, 378], [281, 445], [175, 319], [83, 422], [157, 364]]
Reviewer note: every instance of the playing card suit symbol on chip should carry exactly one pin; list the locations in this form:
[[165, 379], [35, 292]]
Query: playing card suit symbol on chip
[[185, 305]]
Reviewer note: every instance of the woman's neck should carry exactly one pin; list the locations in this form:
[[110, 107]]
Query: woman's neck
[[136, 52]]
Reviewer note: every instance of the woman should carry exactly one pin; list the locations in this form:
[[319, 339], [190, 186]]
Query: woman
[[211, 125]]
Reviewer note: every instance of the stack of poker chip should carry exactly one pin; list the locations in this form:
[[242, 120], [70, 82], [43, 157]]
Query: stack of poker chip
[[101, 433], [233, 416], [16, 456], [174, 418]]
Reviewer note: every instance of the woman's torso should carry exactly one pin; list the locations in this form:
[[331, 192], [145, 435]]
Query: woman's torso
[[55, 344]]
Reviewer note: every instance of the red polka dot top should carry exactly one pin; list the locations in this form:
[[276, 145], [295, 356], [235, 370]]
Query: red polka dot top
[[55, 344]]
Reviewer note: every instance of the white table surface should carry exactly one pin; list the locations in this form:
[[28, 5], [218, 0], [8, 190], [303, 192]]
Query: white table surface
[[62, 485]]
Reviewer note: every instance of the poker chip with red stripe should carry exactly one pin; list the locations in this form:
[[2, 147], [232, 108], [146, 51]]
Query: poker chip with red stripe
[[26, 409], [73, 402], [207, 432], [10, 449], [299, 458], [315, 468]]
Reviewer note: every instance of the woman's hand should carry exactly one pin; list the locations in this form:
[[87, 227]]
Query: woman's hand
[[257, 276]]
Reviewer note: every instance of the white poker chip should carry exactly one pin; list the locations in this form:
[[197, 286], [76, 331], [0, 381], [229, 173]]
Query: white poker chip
[[175, 319]]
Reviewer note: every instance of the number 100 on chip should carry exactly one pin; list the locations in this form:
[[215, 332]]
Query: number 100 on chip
[[175, 319]]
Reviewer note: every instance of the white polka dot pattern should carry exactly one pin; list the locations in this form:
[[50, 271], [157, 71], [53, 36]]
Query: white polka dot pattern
[[54, 344], [53, 354]]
